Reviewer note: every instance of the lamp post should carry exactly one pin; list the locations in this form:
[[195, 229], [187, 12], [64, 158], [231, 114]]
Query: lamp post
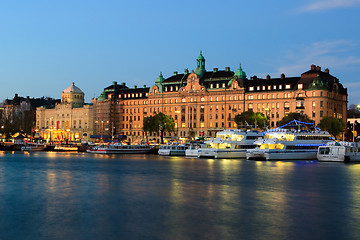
[[177, 122], [267, 110]]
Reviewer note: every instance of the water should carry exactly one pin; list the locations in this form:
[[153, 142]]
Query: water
[[81, 196]]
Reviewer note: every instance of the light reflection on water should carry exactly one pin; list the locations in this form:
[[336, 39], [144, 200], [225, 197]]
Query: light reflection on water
[[81, 196]]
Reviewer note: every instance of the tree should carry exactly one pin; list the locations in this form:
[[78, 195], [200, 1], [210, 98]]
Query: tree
[[159, 123], [353, 111], [333, 125], [251, 118], [295, 116]]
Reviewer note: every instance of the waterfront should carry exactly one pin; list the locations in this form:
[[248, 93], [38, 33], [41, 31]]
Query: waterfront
[[50, 195]]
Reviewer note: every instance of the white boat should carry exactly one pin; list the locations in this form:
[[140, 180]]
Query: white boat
[[286, 144], [193, 149], [31, 147], [173, 150], [339, 152], [120, 149], [66, 148], [231, 143]]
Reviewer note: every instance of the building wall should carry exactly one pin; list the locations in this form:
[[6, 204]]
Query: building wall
[[65, 122], [203, 111]]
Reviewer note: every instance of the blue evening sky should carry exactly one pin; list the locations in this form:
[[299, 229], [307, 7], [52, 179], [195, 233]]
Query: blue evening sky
[[46, 45]]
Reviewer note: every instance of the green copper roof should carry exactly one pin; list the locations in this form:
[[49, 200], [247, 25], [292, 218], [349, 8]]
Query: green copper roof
[[200, 65], [240, 73], [318, 84], [160, 79], [201, 57], [101, 97]]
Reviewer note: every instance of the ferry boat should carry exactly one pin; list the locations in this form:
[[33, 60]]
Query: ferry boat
[[173, 150], [66, 148], [289, 144], [193, 149], [31, 147], [230, 143], [120, 149], [339, 152]]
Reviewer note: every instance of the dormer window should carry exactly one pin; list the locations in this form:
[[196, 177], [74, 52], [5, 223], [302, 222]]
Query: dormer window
[[258, 88], [211, 86], [300, 86], [287, 86], [217, 85], [263, 88], [251, 88], [223, 85]]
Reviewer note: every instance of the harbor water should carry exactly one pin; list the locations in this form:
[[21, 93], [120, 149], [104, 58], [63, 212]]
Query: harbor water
[[48, 195]]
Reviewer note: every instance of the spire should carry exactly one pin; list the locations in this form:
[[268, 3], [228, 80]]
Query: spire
[[200, 65]]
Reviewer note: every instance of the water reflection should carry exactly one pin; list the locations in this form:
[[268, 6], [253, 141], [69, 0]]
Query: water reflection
[[82, 196]]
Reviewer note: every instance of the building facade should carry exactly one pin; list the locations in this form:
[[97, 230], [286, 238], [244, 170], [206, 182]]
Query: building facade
[[204, 102], [69, 120]]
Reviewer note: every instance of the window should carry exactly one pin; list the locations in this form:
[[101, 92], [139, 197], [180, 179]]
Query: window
[[321, 103], [211, 86], [287, 86], [313, 103], [251, 88], [223, 85], [300, 86], [250, 97], [274, 87]]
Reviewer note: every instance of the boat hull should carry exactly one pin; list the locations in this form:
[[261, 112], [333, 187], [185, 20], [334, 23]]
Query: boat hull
[[281, 155]]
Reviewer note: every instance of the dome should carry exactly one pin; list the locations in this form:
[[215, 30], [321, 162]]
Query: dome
[[73, 89]]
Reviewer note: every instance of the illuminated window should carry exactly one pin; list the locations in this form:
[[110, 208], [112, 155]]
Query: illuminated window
[[287, 86], [251, 88], [300, 86]]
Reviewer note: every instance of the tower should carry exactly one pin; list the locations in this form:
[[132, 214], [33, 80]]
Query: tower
[[200, 65]]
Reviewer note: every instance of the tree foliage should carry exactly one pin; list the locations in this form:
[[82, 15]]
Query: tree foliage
[[251, 118], [159, 123], [295, 116], [333, 125]]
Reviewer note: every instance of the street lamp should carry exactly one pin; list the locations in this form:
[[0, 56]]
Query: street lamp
[[267, 110], [177, 122]]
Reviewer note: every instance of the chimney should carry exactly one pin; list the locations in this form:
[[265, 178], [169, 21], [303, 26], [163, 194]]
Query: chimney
[[175, 73], [144, 86], [123, 84], [318, 68], [327, 71], [313, 67], [227, 69], [282, 76], [114, 83], [186, 71], [135, 86], [268, 77], [215, 70]]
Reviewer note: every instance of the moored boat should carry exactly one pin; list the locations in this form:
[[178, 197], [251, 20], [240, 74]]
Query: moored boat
[[289, 144], [173, 150], [118, 148], [230, 143], [339, 152], [66, 148], [31, 147]]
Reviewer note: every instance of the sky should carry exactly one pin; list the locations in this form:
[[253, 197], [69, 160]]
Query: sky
[[46, 45]]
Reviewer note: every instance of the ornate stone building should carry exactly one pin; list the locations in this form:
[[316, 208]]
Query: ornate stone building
[[204, 102], [70, 120]]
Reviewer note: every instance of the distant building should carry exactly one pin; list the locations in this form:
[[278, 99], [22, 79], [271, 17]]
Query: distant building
[[22, 110], [205, 102], [69, 120]]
